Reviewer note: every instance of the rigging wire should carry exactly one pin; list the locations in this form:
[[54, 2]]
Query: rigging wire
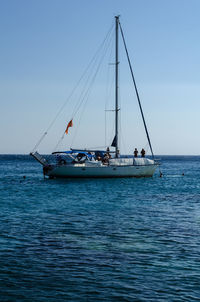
[[84, 95], [91, 81], [112, 134], [137, 94], [110, 81], [73, 90], [105, 133], [122, 141]]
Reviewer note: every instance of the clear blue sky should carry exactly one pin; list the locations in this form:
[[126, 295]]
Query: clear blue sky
[[46, 44]]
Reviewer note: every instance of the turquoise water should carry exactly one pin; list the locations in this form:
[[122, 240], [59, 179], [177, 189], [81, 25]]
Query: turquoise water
[[99, 239]]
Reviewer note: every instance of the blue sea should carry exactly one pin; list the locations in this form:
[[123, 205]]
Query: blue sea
[[99, 239]]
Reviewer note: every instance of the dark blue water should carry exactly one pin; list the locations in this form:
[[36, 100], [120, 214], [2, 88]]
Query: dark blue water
[[99, 239]]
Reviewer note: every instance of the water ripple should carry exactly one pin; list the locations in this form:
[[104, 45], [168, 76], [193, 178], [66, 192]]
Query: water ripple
[[99, 240]]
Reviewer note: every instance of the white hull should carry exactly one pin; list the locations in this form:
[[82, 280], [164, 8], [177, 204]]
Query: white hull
[[100, 171]]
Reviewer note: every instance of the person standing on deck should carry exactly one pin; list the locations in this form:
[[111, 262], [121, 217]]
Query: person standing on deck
[[142, 153], [135, 152]]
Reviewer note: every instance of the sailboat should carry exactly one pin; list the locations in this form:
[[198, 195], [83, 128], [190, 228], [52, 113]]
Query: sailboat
[[102, 163]]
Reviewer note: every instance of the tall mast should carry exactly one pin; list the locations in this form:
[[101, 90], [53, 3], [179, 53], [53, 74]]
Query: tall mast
[[116, 88]]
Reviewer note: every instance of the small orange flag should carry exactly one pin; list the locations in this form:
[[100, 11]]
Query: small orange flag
[[70, 124]]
